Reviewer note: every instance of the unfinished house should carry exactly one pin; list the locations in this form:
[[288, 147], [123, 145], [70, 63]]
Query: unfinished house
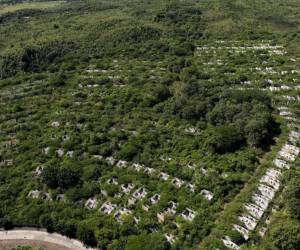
[[154, 199], [59, 152], [248, 221], [254, 210], [229, 243], [39, 171], [112, 181], [149, 171], [126, 188], [170, 238], [91, 203], [176, 182], [163, 176], [140, 193], [121, 213], [137, 167], [188, 214], [55, 124], [110, 160], [34, 194], [281, 164], [243, 231], [261, 201], [266, 191], [107, 208], [272, 182], [207, 194], [121, 164]]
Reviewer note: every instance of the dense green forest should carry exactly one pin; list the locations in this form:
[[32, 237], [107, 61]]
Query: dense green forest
[[145, 124]]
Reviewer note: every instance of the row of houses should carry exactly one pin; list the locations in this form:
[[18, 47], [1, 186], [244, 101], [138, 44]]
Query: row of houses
[[267, 187]]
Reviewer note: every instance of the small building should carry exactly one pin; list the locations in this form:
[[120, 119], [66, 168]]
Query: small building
[[249, 221], [126, 188], [207, 194], [170, 238], [122, 212], [55, 124], [154, 199], [61, 197], [149, 171], [112, 181], [254, 210], [177, 182], [122, 164], [34, 194], [107, 208], [111, 160], [229, 243], [163, 176], [243, 231], [137, 167], [91, 203], [260, 201], [191, 187], [140, 193], [188, 214], [39, 171], [59, 152]]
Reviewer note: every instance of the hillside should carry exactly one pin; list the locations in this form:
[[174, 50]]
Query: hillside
[[152, 124]]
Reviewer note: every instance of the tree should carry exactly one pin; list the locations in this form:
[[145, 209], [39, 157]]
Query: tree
[[223, 139], [86, 235], [293, 198], [153, 241], [285, 234]]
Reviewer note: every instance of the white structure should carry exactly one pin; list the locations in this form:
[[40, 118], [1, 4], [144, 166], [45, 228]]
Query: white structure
[[39, 170], [122, 164], [149, 171], [191, 187], [126, 188], [112, 181], [111, 160], [34, 194], [137, 167], [121, 213], [254, 210], [266, 191], [207, 194], [140, 193], [229, 243], [177, 182], [154, 199], [249, 221], [91, 203], [55, 124], [188, 214], [107, 208], [243, 231], [170, 238], [164, 176], [281, 164], [261, 201]]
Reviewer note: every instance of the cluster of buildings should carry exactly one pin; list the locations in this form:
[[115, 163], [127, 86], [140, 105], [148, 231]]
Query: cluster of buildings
[[268, 184], [176, 182]]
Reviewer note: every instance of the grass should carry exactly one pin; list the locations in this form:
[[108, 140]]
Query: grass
[[29, 5]]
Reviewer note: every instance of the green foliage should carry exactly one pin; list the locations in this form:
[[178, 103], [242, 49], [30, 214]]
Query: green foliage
[[286, 235], [148, 242]]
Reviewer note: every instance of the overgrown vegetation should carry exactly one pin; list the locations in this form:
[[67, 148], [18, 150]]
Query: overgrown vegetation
[[87, 85]]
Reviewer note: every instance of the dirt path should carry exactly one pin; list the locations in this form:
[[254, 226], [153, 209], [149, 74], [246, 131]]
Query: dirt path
[[45, 240]]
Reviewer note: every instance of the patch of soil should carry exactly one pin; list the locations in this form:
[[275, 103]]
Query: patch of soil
[[8, 244]]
